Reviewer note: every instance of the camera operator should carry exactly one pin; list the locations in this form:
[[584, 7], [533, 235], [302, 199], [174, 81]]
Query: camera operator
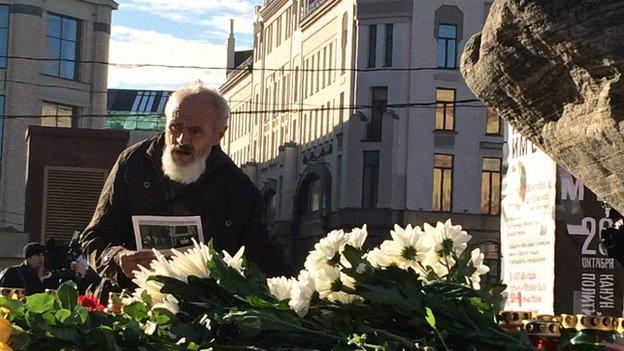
[[66, 262], [26, 275]]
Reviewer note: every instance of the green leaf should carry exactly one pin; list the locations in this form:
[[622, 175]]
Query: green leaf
[[479, 304], [136, 310], [67, 334], [48, 317], [39, 303], [161, 316], [20, 339], [62, 314], [80, 314], [257, 301], [105, 338], [146, 297], [68, 294], [354, 256], [430, 318], [16, 307]]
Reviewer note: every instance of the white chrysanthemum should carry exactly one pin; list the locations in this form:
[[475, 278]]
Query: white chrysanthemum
[[280, 287], [152, 287], [343, 297], [158, 266], [445, 238], [149, 327], [357, 237], [326, 252], [192, 262], [331, 280], [405, 248], [378, 258], [169, 303], [431, 261], [235, 261], [477, 261], [301, 293]]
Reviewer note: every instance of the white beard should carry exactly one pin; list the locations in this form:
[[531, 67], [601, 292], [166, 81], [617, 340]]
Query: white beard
[[182, 174]]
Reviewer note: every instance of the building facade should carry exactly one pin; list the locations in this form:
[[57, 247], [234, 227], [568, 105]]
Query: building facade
[[53, 68], [354, 111]]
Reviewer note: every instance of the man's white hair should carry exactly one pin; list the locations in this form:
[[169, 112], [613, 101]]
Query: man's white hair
[[198, 88]]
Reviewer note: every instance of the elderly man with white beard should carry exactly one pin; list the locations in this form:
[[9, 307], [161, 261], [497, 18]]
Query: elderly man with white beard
[[180, 172]]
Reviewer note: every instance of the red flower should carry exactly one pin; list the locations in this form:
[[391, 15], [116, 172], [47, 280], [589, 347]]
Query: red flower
[[90, 302]]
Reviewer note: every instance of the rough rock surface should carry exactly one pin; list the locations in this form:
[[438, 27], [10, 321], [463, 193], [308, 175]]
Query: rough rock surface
[[554, 69]]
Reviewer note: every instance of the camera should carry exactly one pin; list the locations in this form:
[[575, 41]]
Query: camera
[[58, 262]]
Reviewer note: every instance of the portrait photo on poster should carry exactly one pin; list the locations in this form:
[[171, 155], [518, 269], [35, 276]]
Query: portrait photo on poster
[[166, 232]]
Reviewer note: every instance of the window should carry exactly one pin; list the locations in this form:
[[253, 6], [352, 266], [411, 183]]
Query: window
[[491, 186], [343, 57], [278, 32], [323, 68], [341, 112], [370, 179], [379, 101], [296, 85], [372, 45], [269, 39], [330, 66], [312, 197], [4, 37], [445, 109], [317, 80], [61, 46], [447, 45], [304, 72], [442, 182], [56, 115], [388, 48], [492, 122]]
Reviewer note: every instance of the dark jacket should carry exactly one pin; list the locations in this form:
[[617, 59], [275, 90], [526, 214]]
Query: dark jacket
[[22, 276], [229, 204]]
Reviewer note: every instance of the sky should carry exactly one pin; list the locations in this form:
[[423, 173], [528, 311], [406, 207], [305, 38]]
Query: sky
[[175, 32]]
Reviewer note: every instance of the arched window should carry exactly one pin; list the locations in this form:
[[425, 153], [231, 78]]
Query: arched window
[[311, 195]]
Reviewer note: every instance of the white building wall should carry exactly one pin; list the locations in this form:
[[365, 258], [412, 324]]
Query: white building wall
[[408, 142]]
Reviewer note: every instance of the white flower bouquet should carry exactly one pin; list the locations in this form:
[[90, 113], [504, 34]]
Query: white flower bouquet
[[420, 289]]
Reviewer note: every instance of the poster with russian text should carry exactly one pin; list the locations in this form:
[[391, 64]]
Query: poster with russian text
[[528, 227], [587, 281]]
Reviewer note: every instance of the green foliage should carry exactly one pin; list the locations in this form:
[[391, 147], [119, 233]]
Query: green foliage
[[395, 311]]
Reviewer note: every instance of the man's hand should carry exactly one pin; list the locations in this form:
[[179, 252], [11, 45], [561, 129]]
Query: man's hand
[[77, 267], [130, 260]]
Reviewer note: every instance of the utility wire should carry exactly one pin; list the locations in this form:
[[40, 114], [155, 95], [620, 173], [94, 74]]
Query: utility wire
[[429, 105], [247, 68], [107, 91]]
